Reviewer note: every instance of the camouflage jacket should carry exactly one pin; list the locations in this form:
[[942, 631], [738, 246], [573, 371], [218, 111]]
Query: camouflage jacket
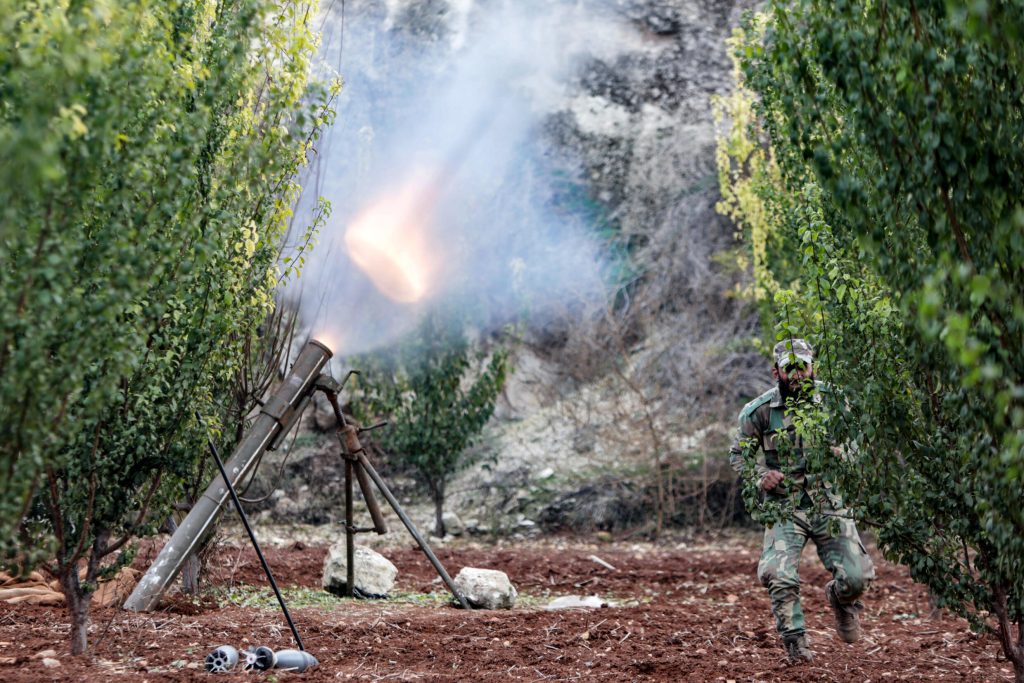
[[763, 424]]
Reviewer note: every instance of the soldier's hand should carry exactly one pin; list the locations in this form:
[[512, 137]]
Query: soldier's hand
[[771, 479]]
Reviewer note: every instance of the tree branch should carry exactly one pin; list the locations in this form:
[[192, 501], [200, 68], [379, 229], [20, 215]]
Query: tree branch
[[130, 531]]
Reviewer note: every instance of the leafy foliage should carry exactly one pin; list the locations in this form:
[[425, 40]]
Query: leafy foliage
[[897, 126], [436, 400], [150, 157]]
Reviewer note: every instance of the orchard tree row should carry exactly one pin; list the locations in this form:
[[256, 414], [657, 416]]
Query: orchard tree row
[[872, 155], [150, 152]]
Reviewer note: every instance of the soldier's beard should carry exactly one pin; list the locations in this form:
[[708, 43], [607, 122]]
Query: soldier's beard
[[796, 389]]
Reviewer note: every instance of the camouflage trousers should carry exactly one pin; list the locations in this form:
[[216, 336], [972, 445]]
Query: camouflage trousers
[[779, 569]]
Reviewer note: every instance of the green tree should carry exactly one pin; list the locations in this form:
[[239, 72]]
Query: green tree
[[150, 157], [897, 126], [437, 395]]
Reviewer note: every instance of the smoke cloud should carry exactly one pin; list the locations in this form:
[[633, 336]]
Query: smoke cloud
[[447, 100]]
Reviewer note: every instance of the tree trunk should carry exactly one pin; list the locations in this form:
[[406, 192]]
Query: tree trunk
[[659, 500], [438, 491], [1013, 648], [76, 596], [190, 576], [77, 601], [190, 572]]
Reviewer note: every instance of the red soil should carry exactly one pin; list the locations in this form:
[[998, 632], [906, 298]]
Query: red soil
[[684, 613]]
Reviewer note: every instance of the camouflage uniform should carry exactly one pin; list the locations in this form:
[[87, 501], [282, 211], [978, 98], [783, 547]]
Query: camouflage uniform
[[762, 423]]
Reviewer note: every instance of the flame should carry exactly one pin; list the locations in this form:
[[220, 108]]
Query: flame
[[329, 339], [389, 241]]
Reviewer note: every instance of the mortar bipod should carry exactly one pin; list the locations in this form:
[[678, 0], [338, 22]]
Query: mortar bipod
[[357, 463], [275, 420]]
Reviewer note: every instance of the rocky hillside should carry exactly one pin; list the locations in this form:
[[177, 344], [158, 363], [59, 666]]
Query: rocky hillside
[[610, 401]]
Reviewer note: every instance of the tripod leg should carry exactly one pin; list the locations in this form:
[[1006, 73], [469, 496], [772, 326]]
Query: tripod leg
[[365, 465], [349, 438], [350, 533], [252, 537], [379, 525]]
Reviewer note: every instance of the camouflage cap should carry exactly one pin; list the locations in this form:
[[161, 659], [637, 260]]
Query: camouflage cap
[[787, 348]]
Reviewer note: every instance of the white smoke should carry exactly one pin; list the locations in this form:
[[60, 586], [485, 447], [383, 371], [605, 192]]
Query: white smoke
[[460, 89]]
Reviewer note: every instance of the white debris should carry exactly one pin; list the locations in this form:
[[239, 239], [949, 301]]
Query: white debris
[[576, 602], [595, 558]]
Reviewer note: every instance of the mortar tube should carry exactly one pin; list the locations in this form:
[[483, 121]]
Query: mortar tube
[[278, 413]]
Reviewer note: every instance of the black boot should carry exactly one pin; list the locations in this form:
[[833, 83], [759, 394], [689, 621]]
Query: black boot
[[796, 648], [847, 616]]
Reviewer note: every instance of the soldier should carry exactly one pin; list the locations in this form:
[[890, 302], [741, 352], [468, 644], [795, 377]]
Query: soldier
[[766, 427]]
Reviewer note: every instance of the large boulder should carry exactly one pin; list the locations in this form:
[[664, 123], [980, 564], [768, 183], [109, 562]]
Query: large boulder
[[486, 588], [453, 525], [374, 573]]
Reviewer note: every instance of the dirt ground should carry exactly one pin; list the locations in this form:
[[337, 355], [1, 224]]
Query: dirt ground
[[685, 610]]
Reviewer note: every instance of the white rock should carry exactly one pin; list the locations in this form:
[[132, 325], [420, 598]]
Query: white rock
[[486, 588], [374, 573], [50, 662], [452, 524], [286, 507]]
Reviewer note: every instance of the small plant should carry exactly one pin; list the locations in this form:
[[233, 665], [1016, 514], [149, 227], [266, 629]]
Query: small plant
[[437, 395]]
